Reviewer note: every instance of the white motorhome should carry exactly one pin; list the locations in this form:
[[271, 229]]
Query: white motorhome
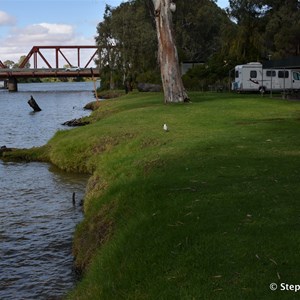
[[253, 77]]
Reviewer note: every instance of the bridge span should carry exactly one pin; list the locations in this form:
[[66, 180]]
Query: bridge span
[[58, 56]]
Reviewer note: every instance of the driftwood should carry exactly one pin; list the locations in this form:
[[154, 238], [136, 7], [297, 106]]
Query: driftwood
[[92, 105], [33, 104], [4, 149], [76, 122]]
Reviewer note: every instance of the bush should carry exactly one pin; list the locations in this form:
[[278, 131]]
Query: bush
[[206, 78], [151, 76]]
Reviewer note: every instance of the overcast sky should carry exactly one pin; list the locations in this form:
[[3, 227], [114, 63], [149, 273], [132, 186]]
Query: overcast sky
[[26, 23]]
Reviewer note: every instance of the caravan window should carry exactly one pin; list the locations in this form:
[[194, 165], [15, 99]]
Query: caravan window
[[283, 74], [253, 74], [296, 76], [236, 74], [271, 73]]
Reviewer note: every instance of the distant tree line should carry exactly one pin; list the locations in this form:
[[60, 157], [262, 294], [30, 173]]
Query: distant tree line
[[248, 30], [11, 64]]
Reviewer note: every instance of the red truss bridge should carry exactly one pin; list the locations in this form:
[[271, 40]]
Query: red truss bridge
[[2, 65], [59, 56]]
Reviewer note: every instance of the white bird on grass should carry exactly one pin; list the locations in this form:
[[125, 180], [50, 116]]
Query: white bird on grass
[[165, 127]]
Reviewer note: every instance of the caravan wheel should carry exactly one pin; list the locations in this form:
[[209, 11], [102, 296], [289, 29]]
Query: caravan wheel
[[262, 89]]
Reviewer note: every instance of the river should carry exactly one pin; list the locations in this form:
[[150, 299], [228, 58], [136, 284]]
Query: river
[[37, 216]]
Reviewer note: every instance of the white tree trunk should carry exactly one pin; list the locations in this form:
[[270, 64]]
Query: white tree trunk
[[168, 58]]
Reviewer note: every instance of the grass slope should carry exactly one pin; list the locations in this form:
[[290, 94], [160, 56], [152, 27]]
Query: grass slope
[[208, 210]]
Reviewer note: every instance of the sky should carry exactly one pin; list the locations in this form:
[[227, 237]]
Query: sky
[[28, 23]]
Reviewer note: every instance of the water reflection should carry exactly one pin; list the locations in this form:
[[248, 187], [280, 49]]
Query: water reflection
[[37, 220]]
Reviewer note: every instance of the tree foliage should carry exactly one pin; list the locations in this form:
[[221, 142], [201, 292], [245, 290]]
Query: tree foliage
[[248, 30], [198, 26], [282, 34], [12, 64], [127, 41], [264, 28]]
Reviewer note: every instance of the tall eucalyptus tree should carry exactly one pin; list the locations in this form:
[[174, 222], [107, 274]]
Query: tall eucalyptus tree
[[173, 88]]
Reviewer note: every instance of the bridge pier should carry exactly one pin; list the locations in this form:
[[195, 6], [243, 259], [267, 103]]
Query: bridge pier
[[12, 84]]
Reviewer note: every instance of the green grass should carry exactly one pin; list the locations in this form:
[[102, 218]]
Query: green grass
[[208, 210]]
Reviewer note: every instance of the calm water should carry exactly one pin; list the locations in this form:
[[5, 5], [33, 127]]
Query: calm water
[[37, 217]]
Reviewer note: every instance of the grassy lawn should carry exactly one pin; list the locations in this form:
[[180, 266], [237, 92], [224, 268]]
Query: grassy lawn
[[208, 210]]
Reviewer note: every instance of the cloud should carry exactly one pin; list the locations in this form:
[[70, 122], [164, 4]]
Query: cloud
[[42, 34], [19, 41], [6, 19]]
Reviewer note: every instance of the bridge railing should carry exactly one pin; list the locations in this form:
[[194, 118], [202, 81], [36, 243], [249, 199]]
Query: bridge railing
[[44, 72]]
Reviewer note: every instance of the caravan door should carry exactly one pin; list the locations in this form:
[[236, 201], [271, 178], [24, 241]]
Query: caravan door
[[252, 76], [296, 80]]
